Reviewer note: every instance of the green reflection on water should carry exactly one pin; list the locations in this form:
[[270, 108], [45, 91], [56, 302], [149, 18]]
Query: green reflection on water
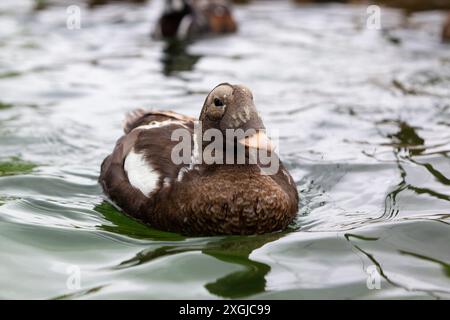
[[407, 141], [15, 166], [406, 138], [4, 200], [124, 225], [237, 250], [361, 245], [4, 105], [9, 74], [445, 266], [78, 294], [233, 249]]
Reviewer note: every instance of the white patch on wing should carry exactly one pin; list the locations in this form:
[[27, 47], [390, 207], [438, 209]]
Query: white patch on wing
[[159, 124], [140, 173]]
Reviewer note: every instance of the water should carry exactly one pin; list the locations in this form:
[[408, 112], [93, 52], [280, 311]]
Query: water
[[364, 120]]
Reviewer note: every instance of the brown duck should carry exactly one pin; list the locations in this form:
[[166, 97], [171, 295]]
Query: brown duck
[[446, 29], [187, 19], [197, 198]]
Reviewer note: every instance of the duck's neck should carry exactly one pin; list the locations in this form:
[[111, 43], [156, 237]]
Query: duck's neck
[[211, 146]]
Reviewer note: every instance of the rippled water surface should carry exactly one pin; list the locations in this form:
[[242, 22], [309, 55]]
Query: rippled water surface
[[364, 121]]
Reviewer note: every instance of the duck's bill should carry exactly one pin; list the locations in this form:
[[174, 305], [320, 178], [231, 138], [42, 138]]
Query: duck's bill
[[258, 140]]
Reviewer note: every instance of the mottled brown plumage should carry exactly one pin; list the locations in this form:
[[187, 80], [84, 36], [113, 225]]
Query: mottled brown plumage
[[201, 199]]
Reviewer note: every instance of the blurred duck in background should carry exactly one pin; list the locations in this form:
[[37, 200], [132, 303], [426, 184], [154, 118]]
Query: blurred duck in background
[[187, 19], [446, 29]]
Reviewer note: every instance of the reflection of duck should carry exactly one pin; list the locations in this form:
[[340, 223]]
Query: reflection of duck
[[142, 178], [446, 29], [177, 58], [248, 280], [192, 18]]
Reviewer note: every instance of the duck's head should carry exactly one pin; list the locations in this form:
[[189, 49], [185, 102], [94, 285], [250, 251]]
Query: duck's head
[[231, 108], [220, 17]]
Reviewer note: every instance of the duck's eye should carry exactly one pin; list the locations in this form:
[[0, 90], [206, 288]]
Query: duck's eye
[[218, 102]]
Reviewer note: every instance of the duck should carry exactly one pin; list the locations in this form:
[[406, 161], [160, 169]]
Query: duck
[[188, 19], [446, 29], [143, 179]]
